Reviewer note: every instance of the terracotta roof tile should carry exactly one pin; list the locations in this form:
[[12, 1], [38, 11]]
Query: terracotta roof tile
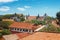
[[22, 35], [34, 17], [31, 17], [15, 36], [2, 38], [22, 25], [11, 37], [42, 36]]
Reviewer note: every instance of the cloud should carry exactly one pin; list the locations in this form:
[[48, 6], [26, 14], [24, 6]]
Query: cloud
[[27, 6], [4, 1], [21, 9], [4, 8]]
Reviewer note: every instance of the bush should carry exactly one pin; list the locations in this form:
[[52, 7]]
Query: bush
[[38, 22], [5, 24], [51, 28], [58, 30], [6, 32], [0, 34], [22, 19], [42, 22]]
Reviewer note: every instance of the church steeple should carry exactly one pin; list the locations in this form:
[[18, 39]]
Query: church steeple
[[45, 14], [26, 17], [37, 16], [15, 14]]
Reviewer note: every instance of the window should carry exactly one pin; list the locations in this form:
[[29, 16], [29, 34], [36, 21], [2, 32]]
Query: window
[[29, 30], [17, 28], [33, 30], [26, 30], [20, 29]]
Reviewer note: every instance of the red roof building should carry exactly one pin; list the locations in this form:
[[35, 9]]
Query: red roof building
[[32, 18], [40, 18], [15, 36], [22, 27]]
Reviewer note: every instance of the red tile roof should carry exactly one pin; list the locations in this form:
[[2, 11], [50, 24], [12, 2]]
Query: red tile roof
[[41, 18], [42, 36], [22, 35], [34, 17], [22, 25], [16, 36], [2, 38], [31, 17], [10, 37]]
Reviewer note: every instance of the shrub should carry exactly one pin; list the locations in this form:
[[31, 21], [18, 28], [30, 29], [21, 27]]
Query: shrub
[[5, 24], [0, 34], [6, 32], [38, 22], [50, 28]]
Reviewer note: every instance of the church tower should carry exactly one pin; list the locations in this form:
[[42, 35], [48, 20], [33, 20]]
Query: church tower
[[37, 16], [26, 17]]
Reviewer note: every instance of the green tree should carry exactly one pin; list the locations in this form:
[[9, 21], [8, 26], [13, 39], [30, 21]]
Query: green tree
[[38, 22], [37, 16], [7, 16], [6, 32], [35, 22], [58, 16], [5, 24], [51, 28], [1, 17], [42, 23], [58, 29], [22, 19], [0, 34]]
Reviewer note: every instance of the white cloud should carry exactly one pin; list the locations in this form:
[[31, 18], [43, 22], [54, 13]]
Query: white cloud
[[7, 1], [27, 6], [21, 9], [4, 8]]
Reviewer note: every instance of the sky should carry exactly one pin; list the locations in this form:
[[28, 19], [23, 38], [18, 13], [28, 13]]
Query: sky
[[31, 7]]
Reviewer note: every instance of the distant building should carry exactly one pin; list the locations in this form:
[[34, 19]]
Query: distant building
[[40, 18], [31, 18], [15, 17], [7, 20], [45, 16]]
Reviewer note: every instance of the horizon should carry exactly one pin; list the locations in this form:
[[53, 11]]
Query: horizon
[[31, 7]]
